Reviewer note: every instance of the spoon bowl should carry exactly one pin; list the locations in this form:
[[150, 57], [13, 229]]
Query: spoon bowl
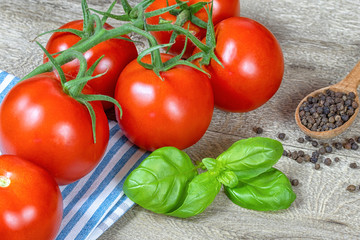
[[349, 84]]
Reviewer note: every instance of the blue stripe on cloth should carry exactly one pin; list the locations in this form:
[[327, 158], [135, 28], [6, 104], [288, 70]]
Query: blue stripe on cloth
[[6, 86], [145, 155], [86, 205], [98, 215], [102, 165]]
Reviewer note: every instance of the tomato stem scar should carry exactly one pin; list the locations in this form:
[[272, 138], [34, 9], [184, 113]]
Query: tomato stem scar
[[4, 181]]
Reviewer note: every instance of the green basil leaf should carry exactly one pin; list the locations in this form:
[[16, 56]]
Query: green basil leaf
[[228, 178], [201, 192], [250, 157], [209, 163], [270, 191], [159, 183]]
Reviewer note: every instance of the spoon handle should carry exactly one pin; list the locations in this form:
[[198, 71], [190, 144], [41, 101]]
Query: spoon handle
[[352, 80]]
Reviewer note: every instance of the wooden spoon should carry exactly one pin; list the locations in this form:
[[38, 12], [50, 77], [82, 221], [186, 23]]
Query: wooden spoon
[[349, 84]]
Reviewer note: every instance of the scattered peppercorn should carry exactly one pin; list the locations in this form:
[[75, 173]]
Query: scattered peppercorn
[[327, 161], [281, 136], [301, 140], [353, 165], [358, 139], [300, 159], [354, 146], [322, 151], [347, 145], [258, 130], [285, 153], [314, 143], [308, 138], [337, 145], [294, 182], [337, 159], [294, 155], [307, 158], [351, 188], [301, 153], [317, 166], [328, 149]]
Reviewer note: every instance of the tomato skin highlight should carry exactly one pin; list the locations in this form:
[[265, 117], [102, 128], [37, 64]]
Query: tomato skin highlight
[[222, 9], [31, 205], [42, 124], [117, 54], [175, 111], [253, 65]]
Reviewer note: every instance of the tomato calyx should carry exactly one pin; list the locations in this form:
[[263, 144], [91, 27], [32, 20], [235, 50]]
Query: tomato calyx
[[75, 86], [4, 181]]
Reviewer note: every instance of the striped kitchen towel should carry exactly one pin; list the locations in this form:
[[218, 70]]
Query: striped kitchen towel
[[95, 202]]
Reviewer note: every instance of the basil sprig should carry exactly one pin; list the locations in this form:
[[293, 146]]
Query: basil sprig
[[167, 182]]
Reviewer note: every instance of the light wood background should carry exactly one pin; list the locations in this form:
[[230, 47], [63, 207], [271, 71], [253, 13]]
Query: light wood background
[[321, 43]]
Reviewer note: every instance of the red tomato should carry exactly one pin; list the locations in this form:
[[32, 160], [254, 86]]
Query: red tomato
[[253, 65], [175, 111], [41, 123], [117, 54], [222, 9], [30, 202]]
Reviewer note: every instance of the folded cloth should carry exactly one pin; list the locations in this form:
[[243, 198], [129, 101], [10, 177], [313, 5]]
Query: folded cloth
[[95, 202]]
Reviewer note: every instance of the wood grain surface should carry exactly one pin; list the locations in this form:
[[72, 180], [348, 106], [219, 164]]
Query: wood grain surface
[[321, 44]]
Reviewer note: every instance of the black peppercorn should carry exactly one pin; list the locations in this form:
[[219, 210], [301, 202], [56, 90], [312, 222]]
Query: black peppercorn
[[337, 145], [313, 159], [301, 153], [294, 155], [337, 159], [314, 143], [353, 165], [322, 150], [327, 161], [354, 146], [294, 182], [328, 149], [258, 130], [281, 136], [285, 153], [347, 145], [351, 188], [317, 166], [301, 140]]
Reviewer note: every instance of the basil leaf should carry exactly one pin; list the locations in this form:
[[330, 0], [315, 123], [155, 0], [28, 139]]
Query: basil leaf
[[201, 192], [209, 163], [159, 182], [269, 191], [250, 157], [228, 178]]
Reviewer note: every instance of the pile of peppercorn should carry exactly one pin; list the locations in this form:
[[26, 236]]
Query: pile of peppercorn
[[327, 111]]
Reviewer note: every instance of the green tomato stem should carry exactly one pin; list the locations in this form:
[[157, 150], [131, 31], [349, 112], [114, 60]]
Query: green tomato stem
[[4, 181], [171, 27]]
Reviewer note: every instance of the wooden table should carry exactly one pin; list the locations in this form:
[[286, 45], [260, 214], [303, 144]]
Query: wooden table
[[321, 44]]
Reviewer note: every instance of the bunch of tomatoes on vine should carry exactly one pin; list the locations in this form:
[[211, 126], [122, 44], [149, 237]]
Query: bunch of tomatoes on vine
[[53, 123]]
